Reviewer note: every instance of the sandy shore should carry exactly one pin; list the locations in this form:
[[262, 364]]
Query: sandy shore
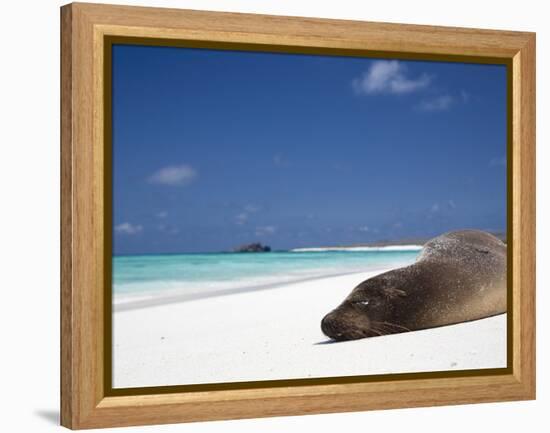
[[274, 334]]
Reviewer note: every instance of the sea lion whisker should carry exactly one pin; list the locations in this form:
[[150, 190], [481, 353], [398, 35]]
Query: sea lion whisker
[[379, 327], [390, 325], [395, 325], [377, 331], [386, 328]]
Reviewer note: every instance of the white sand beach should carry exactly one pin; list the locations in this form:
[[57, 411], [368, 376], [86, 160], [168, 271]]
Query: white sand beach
[[275, 333]]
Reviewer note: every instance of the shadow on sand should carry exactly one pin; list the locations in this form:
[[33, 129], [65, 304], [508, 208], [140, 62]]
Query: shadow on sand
[[329, 341]]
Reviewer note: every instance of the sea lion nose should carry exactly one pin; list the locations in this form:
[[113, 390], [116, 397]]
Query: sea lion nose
[[329, 326]]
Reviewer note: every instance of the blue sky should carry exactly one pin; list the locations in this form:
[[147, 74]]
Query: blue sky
[[212, 149]]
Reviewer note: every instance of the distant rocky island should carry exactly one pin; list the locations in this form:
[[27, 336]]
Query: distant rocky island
[[255, 247]]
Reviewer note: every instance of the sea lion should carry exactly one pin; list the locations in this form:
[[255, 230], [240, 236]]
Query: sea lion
[[458, 276]]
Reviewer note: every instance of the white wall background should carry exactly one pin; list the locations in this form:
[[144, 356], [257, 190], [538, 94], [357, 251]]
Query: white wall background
[[29, 219]]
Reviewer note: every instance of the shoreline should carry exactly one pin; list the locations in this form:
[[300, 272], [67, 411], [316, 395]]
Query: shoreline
[[153, 300], [367, 247], [275, 334]]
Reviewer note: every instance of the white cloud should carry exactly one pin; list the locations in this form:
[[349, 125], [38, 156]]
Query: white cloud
[[244, 216], [175, 175], [128, 228], [241, 218], [162, 214], [389, 76], [434, 208], [364, 229], [439, 103], [251, 208], [265, 230], [170, 229]]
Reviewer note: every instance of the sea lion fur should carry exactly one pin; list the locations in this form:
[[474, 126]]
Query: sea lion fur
[[458, 277]]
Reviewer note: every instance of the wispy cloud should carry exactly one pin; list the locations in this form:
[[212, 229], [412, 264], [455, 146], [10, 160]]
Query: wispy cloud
[[161, 214], [438, 103], [251, 208], [265, 230], [498, 161], [364, 229], [174, 175], [435, 208], [465, 96], [442, 209], [128, 228], [170, 229], [241, 218], [389, 76]]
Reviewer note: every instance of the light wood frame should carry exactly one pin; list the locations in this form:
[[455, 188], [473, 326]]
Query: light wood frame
[[86, 400]]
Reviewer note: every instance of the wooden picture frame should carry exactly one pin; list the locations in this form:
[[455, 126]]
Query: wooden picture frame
[[87, 398]]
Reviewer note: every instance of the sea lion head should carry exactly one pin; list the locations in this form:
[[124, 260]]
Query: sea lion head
[[369, 310]]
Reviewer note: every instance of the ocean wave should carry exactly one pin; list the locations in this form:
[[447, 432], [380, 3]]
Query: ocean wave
[[158, 279], [128, 292], [147, 294]]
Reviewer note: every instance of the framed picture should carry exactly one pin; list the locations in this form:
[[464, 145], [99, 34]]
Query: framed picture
[[269, 216]]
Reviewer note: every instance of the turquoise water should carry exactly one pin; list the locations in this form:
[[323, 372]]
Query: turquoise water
[[151, 276]]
